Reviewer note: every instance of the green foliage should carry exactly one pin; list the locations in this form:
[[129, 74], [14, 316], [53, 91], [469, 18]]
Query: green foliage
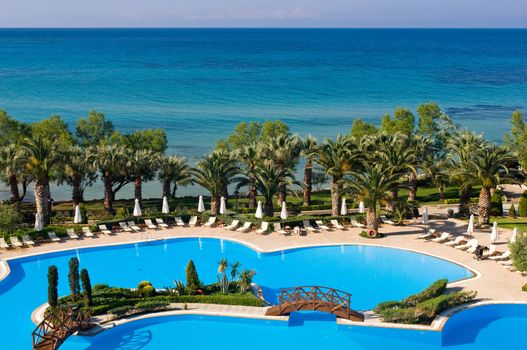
[[512, 211], [73, 278], [517, 139], [361, 128], [121, 310], [11, 130], [10, 218], [192, 278], [86, 287], [53, 128], [429, 114], [496, 204], [519, 252], [149, 139], [145, 289], [400, 315], [143, 284], [151, 305], [524, 288], [53, 283], [434, 290], [386, 305], [522, 205], [403, 122], [93, 129], [100, 286]]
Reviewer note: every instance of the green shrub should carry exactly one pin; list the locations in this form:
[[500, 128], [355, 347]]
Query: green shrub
[[53, 283], [192, 278], [143, 284], [512, 211], [151, 305], [522, 205], [459, 298], [10, 219], [73, 278], [148, 291], [428, 309], [400, 315], [496, 204], [121, 310], [434, 290], [519, 252], [86, 287], [386, 305], [524, 288], [100, 286]]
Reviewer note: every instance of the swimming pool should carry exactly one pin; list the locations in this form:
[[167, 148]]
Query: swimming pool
[[371, 274]]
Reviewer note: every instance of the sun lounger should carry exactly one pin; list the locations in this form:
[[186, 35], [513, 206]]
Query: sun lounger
[[308, 227], [133, 226], [179, 221], [27, 240], [15, 242], [279, 229], [506, 262], [53, 236], [149, 224], [472, 249], [322, 226], [233, 225], [467, 245], [428, 235], [336, 224], [125, 227], [386, 220], [263, 228], [357, 224], [71, 233], [245, 228], [210, 222], [458, 240], [87, 232], [3, 243], [503, 256], [490, 252], [161, 223], [104, 229], [193, 221], [445, 236]]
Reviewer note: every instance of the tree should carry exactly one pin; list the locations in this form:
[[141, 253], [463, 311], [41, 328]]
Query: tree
[[337, 158], [53, 128], [519, 252], [246, 278], [154, 140], [309, 145], [403, 122], [42, 156], [142, 165], [11, 130], [360, 128], [12, 163], [174, 171], [429, 114], [53, 283], [436, 168], [92, 130], [73, 278], [192, 278], [86, 287], [522, 205], [517, 139], [10, 219], [215, 172], [109, 160], [249, 156], [78, 170]]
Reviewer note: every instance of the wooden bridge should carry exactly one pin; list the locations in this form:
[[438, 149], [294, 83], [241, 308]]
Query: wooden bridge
[[315, 298], [56, 327]]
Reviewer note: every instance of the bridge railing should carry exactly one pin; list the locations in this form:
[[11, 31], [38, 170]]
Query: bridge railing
[[53, 330], [316, 296]]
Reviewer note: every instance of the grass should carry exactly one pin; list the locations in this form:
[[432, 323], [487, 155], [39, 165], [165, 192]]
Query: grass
[[509, 222]]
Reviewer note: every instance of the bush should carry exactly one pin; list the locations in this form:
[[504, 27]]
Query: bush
[[192, 278], [86, 287], [151, 305], [519, 252], [428, 309], [524, 288], [121, 311], [10, 218], [148, 291], [522, 205], [143, 284], [400, 315], [53, 283], [386, 305], [73, 278], [496, 204], [434, 290], [512, 211], [100, 286]]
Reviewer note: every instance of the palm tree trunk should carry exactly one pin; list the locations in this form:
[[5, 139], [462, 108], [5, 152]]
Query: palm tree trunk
[[268, 208], [214, 205], [76, 194], [335, 197], [371, 219], [282, 192], [166, 186], [412, 186], [13, 185], [252, 193], [394, 194], [464, 200], [138, 189], [484, 206], [442, 195], [108, 193], [42, 199], [308, 182]]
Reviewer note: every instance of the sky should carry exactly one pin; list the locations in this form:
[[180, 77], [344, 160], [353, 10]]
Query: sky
[[263, 13]]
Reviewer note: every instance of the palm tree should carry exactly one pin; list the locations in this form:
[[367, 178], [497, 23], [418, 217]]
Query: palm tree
[[435, 167], [77, 169], [372, 185], [174, 170], [337, 158], [142, 165], [214, 173], [420, 145], [12, 162], [42, 155], [487, 167], [309, 145], [249, 156], [107, 159]]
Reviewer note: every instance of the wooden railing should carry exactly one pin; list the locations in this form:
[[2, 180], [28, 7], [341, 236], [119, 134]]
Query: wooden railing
[[56, 327], [315, 298]]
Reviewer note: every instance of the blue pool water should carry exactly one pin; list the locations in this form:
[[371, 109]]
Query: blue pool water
[[371, 274]]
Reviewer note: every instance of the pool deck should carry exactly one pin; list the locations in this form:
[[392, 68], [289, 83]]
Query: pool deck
[[493, 282]]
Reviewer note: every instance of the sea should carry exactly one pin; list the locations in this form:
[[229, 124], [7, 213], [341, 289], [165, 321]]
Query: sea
[[198, 84]]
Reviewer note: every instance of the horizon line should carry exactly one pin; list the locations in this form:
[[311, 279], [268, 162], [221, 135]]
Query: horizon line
[[256, 27]]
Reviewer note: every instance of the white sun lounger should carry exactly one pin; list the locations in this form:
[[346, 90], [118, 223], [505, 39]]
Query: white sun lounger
[[53, 236], [3, 243], [428, 235], [507, 262], [490, 252], [161, 223], [125, 227], [445, 236], [336, 224], [104, 230], [193, 221], [308, 227], [149, 224], [179, 221], [279, 229], [458, 240], [322, 226], [234, 224], [210, 222], [263, 228], [87, 232], [71, 233], [27, 241], [133, 226], [245, 228], [386, 220], [503, 256], [472, 248], [467, 245], [357, 224], [15, 242]]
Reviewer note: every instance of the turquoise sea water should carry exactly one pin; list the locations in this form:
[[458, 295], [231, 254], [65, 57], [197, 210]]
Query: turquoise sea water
[[199, 83], [370, 274]]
